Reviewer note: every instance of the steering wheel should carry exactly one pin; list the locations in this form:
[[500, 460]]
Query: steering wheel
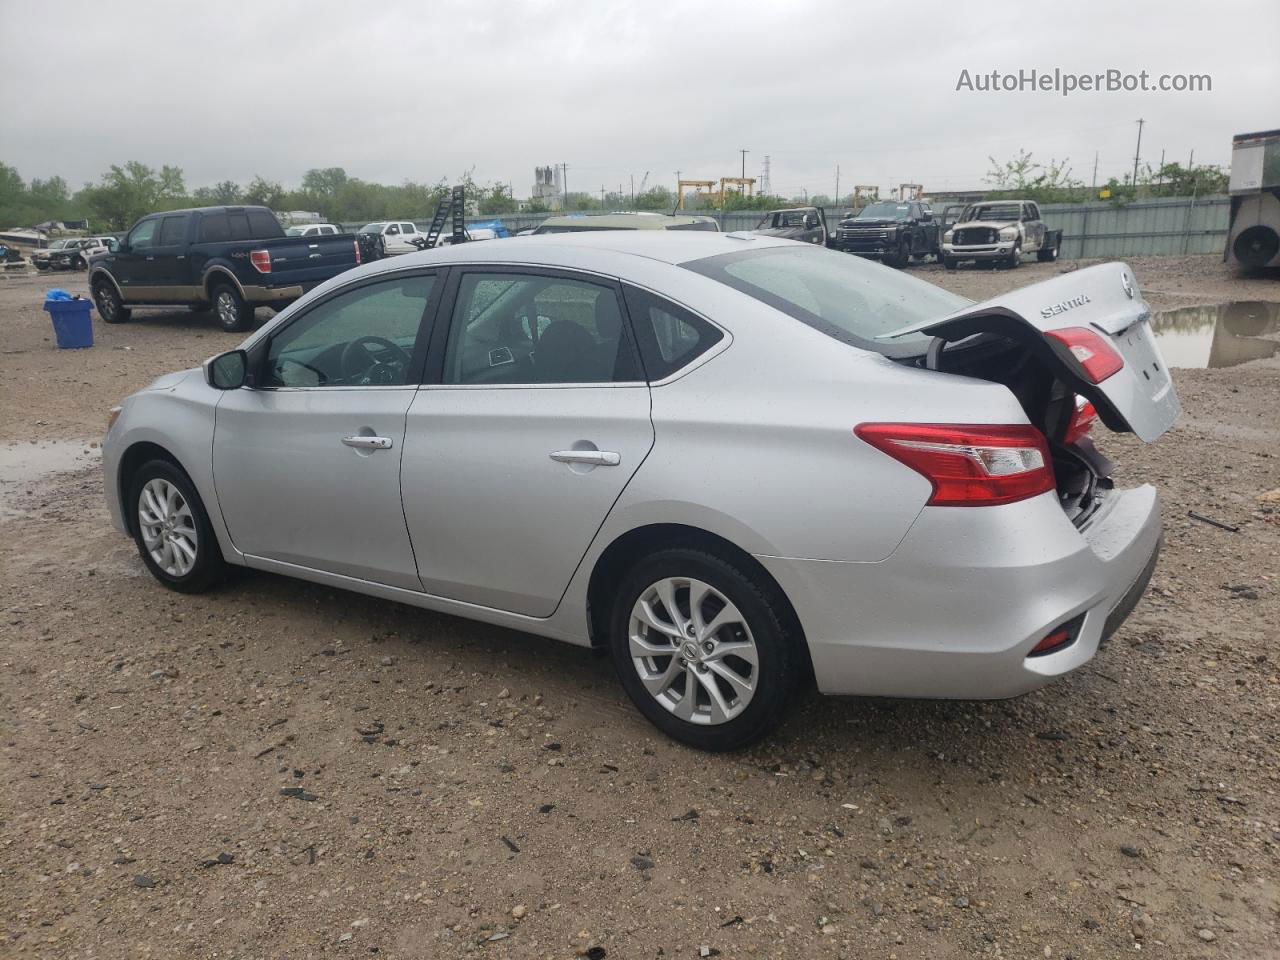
[[369, 371]]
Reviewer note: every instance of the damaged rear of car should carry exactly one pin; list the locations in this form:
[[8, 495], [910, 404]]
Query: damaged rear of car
[[1025, 555]]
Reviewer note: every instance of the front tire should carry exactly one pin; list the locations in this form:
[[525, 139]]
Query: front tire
[[109, 304], [1015, 257], [171, 529], [703, 649], [949, 262], [232, 312]]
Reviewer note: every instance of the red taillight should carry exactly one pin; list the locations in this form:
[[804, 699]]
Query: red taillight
[[1098, 358], [261, 260], [356, 243], [969, 465], [1058, 638], [1082, 421]]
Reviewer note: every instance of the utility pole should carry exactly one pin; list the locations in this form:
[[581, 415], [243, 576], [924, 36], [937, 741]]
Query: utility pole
[[633, 191], [1136, 151], [602, 196], [836, 198], [1094, 188], [564, 182], [744, 166]]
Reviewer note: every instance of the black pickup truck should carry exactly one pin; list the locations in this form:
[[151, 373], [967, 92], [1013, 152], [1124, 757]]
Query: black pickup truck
[[892, 231], [232, 259]]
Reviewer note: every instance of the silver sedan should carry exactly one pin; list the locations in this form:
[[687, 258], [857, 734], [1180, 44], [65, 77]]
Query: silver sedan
[[741, 465]]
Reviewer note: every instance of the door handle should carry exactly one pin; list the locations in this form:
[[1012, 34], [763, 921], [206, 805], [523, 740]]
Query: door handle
[[150, 258], [597, 458], [368, 443]]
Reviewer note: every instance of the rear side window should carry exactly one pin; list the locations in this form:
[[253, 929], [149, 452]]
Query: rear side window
[[263, 225], [173, 231], [670, 337], [214, 228], [239, 224]]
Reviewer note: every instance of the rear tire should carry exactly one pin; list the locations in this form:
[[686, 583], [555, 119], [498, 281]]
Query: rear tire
[[1048, 254], [734, 701], [230, 309], [110, 307], [171, 529]]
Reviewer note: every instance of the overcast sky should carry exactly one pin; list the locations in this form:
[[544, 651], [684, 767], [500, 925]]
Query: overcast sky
[[419, 91]]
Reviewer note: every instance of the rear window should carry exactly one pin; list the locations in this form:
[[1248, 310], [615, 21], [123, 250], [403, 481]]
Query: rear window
[[263, 225], [214, 228], [669, 336], [173, 231], [848, 298]]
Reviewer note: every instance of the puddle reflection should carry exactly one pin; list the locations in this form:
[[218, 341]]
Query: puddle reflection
[[1220, 335]]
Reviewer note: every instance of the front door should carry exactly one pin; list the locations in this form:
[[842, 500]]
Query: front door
[[134, 265], [307, 462], [515, 456]]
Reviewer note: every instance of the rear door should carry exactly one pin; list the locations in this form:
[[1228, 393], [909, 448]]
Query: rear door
[[1093, 328], [171, 269], [537, 418]]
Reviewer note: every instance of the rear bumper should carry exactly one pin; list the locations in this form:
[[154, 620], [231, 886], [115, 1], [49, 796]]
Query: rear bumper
[[255, 294], [955, 610]]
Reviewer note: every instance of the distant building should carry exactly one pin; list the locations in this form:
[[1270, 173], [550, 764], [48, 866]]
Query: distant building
[[548, 187]]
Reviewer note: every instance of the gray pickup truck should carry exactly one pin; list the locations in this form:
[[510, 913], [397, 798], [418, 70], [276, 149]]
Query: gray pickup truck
[[806, 224], [1000, 231]]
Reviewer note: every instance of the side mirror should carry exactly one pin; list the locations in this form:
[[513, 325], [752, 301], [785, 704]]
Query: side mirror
[[122, 247], [227, 370]]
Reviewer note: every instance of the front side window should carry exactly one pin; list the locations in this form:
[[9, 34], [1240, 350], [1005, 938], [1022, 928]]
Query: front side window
[[669, 336], [848, 298], [513, 328], [143, 235], [363, 337]]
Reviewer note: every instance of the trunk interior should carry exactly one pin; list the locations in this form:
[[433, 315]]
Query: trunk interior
[[1081, 472]]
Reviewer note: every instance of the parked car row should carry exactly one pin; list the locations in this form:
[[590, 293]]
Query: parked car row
[[72, 253]]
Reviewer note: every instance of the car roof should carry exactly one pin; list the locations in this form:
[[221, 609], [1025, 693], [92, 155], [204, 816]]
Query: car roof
[[676, 247], [624, 221]]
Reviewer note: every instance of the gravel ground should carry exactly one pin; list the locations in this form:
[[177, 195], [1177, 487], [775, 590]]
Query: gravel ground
[[277, 769]]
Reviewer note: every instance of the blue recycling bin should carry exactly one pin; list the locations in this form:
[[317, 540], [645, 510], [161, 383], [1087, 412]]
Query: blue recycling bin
[[72, 323]]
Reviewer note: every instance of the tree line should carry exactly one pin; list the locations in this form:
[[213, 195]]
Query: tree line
[[127, 191]]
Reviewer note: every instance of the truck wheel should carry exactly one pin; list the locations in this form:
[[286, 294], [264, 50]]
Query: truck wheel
[[108, 301], [1015, 257], [949, 262], [904, 254], [231, 310], [79, 264], [1048, 254]]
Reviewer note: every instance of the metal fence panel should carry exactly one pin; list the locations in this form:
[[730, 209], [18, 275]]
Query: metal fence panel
[[1161, 227]]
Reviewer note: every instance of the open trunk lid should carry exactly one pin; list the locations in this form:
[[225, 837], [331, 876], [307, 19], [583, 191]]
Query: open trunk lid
[[1061, 321]]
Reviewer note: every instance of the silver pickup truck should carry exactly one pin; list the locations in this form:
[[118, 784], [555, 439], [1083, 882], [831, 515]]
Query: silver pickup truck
[[999, 230]]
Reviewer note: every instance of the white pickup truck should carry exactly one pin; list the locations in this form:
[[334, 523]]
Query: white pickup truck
[[397, 235], [999, 230]]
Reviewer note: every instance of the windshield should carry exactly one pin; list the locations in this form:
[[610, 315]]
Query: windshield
[[848, 298], [372, 228], [885, 211], [58, 244], [990, 211]]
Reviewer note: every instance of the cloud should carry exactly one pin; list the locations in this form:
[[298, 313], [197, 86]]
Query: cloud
[[405, 91]]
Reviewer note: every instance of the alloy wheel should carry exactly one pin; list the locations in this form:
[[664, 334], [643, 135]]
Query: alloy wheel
[[693, 650], [106, 304], [228, 315], [168, 527]]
